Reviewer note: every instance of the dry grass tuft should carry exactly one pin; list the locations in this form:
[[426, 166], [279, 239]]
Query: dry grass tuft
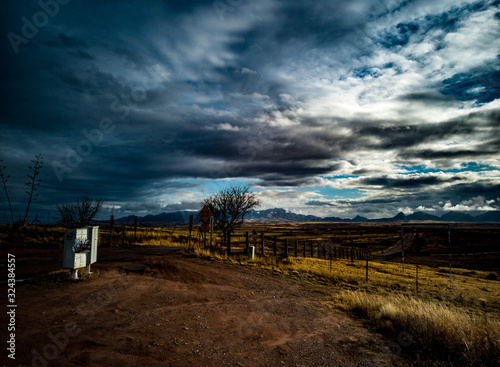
[[436, 331]]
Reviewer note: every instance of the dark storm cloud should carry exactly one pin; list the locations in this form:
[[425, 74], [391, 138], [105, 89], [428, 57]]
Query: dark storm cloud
[[405, 137], [427, 97], [285, 174], [446, 154], [64, 41], [410, 183], [401, 35], [318, 203], [483, 87], [225, 95]]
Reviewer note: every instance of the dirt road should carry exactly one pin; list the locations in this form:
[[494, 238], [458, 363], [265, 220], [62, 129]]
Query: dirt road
[[399, 247], [186, 312]]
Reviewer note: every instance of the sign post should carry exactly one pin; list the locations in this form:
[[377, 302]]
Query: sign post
[[205, 215]]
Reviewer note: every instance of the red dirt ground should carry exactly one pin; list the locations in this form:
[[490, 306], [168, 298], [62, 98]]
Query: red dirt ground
[[180, 312]]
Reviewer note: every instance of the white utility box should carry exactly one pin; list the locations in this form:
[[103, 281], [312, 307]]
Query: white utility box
[[80, 248]]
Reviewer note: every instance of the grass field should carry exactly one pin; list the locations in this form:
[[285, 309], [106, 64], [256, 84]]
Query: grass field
[[438, 321], [434, 321]]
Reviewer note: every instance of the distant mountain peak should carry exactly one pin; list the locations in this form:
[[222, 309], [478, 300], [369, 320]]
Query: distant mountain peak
[[400, 216], [277, 215]]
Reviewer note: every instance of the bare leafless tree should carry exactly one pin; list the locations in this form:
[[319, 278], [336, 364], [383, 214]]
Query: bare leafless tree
[[33, 182], [229, 207], [4, 183], [78, 214]]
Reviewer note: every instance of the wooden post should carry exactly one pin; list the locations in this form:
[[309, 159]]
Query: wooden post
[[111, 223], [286, 247], [262, 243], [319, 252], [367, 269], [247, 244], [305, 255], [312, 249], [275, 246], [324, 251], [296, 248], [229, 243], [135, 229]]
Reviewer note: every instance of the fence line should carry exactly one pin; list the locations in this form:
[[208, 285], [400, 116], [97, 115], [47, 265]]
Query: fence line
[[313, 248], [275, 244]]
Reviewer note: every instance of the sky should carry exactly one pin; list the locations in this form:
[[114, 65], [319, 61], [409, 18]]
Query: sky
[[330, 108]]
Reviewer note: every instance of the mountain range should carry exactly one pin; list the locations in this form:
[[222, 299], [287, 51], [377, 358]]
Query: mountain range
[[279, 215]]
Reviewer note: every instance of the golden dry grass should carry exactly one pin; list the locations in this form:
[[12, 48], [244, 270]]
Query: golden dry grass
[[439, 331], [456, 321]]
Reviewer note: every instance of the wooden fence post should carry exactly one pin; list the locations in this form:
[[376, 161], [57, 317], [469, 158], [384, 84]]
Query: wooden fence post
[[305, 255], [296, 248], [247, 244], [286, 247], [312, 249], [275, 246]]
